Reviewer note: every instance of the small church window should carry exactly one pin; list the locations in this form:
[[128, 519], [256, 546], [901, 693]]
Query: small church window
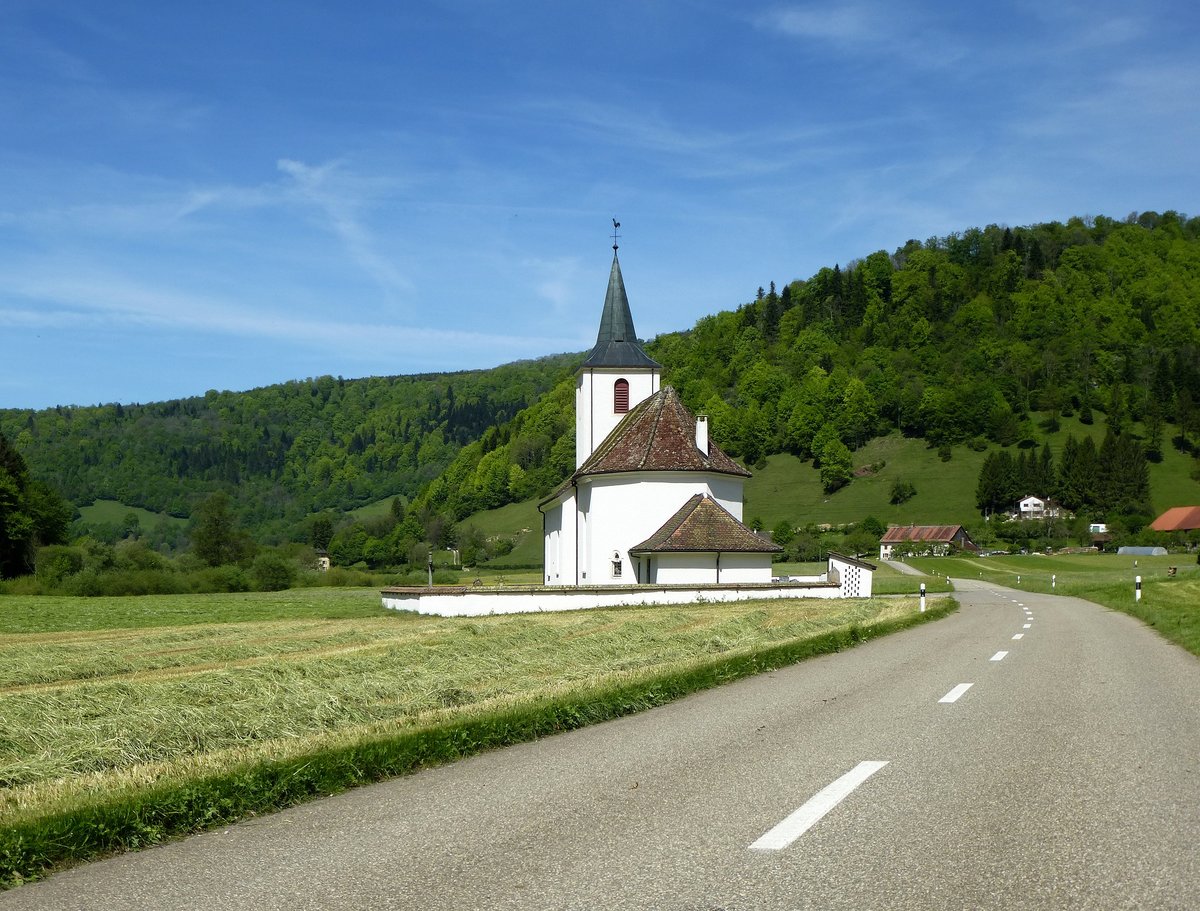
[[621, 396], [616, 569]]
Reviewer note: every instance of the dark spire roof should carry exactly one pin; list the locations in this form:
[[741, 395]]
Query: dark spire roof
[[703, 525], [616, 342]]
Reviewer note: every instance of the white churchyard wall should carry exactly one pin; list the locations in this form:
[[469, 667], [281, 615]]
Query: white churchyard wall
[[845, 578], [478, 602]]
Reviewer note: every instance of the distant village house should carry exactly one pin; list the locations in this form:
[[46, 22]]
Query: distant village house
[[934, 540], [1032, 507], [1178, 518]]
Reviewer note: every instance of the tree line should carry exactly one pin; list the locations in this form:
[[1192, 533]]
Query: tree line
[[1113, 479]]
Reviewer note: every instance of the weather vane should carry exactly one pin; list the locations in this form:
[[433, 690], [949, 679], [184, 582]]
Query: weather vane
[[616, 224]]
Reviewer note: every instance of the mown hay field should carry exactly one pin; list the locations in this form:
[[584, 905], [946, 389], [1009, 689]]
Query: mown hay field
[[104, 698]]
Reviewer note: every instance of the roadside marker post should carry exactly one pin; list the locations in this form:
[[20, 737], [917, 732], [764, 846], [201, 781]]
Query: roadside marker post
[[922, 597], [1054, 581], [1137, 588]]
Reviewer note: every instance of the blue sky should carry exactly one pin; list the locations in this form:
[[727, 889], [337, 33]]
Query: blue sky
[[224, 196]]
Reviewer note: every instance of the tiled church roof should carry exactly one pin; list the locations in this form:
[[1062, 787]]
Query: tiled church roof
[[704, 526], [658, 435]]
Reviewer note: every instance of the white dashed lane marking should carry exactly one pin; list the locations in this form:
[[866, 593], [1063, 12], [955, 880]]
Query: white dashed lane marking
[[1019, 636], [999, 656], [816, 807], [956, 693]]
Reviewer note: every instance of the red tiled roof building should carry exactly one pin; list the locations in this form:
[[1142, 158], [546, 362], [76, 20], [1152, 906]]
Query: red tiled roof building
[[1178, 518], [936, 539]]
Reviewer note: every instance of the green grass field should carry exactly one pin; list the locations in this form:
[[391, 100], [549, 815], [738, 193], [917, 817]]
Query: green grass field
[[788, 489], [113, 512], [130, 719], [376, 510], [520, 521]]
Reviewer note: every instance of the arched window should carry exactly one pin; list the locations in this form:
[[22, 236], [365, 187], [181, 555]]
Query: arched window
[[621, 396]]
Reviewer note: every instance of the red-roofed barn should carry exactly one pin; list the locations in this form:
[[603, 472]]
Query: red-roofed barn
[[1178, 518], [933, 539]]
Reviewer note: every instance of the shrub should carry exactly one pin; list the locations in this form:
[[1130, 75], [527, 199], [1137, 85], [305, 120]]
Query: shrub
[[339, 576], [136, 555], [902, 492], [873, 526], [86, 584], [55, 562], [22, 585], [272, 572], [226, 578]]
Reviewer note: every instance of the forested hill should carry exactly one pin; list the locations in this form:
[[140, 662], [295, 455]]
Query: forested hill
[[959, 339], [285, 450], [956, 340]]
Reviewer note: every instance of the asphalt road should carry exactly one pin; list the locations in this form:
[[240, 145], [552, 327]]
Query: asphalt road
[[1066, 776]]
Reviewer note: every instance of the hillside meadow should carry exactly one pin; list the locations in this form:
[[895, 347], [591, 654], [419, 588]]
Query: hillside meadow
[[131, 719], [786, 488]]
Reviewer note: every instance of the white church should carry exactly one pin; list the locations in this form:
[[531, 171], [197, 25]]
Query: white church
[[653, 500], [652, 514]]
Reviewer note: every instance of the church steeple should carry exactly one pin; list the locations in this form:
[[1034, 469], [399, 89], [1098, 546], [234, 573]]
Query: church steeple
[[616, 375], [617, 343]]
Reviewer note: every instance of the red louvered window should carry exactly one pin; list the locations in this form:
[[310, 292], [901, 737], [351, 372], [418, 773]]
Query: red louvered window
[[621, 396]]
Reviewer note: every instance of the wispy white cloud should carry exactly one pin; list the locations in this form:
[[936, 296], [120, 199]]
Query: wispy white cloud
[[556, 281], [886, 30], [840, 22], [321, 187], [1137, 116], [95, 297], [702, 151]]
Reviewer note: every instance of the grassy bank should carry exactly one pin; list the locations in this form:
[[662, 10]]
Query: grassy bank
[[1169, 604], [131, 720]]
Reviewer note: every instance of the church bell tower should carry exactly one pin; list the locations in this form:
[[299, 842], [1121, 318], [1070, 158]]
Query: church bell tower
[[617, 374]]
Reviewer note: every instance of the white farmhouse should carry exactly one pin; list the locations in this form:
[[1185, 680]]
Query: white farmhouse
[[652, 499], [1033, 507]]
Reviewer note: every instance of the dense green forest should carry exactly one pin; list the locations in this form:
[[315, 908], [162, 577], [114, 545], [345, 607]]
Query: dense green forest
[[957, 340], [282, 451]]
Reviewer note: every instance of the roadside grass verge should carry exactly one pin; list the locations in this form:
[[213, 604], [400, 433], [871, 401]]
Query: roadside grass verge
[[116, 738], [1170, 604]]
